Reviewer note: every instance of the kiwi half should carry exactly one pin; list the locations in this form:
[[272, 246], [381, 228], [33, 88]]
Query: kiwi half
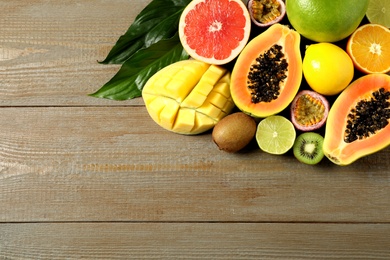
[[307, 148]]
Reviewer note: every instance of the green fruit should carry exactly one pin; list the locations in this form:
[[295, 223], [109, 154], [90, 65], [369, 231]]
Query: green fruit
[[275, 134], [308, 148], [378, 12], [326, 20]]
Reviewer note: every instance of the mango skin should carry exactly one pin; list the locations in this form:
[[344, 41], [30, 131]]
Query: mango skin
[[188, 97]]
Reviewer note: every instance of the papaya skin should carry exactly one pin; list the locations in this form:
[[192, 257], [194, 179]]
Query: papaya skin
[[290, 41], [335, 148]]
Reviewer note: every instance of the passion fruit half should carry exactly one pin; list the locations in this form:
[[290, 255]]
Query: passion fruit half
[[309, 110], [264, 13]]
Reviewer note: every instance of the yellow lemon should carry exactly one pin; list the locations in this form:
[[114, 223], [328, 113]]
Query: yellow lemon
[[327, 68]]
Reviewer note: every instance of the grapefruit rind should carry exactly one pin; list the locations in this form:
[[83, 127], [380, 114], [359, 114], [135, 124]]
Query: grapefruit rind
[[214, 32], [325, 21]]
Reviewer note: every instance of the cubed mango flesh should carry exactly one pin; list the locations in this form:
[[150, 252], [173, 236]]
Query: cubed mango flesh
[[188, 97]]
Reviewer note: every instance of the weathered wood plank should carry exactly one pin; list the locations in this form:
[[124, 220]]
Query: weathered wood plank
[[194, 241], [49, 50], [116, 164], [88, 178]]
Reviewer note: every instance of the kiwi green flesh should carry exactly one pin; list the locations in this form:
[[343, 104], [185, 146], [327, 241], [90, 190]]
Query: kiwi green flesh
[[308, 148]]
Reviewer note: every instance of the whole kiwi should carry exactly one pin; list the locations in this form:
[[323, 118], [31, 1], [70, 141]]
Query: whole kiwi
[[234, 132]]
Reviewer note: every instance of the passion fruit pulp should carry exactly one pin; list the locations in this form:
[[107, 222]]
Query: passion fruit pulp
[[309, 110], [264, 13]]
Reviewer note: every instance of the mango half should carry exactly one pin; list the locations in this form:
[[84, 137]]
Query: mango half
[[188, 97]]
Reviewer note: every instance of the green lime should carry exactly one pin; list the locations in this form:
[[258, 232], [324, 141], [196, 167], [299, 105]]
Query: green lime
[[275, 134], [378, 12], [325, 20]]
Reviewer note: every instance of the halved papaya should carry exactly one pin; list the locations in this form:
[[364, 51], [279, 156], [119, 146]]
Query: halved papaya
[[268, 72], [358, 121]]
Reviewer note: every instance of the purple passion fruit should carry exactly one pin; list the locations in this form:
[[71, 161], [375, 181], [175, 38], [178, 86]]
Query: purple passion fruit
[[264, 13], [309, 110]]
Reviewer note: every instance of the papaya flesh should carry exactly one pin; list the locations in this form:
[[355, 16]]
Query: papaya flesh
[[188, 97], [268, 72], [358, 121]]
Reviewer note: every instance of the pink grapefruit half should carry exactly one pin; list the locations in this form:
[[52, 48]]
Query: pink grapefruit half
[[214, 31]]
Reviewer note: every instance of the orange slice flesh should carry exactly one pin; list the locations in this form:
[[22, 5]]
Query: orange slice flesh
[[369, 48], [214, 31]]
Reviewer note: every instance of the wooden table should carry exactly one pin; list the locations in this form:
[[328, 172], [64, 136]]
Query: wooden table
[[89, 178]]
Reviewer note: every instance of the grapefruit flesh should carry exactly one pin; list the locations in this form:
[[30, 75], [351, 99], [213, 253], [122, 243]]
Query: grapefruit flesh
[[214, 31]]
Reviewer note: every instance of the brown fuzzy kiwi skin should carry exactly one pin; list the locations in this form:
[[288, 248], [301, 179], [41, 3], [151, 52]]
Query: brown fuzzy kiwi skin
[[234, 132]]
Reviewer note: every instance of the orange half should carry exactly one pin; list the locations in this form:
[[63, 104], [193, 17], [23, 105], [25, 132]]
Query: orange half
[[369, 48]]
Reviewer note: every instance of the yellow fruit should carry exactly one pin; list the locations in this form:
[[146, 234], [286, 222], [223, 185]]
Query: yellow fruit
[[188, 97], [327, 68]]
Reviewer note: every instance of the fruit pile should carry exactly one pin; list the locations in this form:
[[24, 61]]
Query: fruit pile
[[301, 75]]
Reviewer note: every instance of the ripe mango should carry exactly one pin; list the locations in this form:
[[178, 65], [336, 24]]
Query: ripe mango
[[188, 97]]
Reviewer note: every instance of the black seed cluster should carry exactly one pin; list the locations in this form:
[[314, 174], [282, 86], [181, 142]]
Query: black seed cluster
[[266, 74], [368, 116], [303, 152]]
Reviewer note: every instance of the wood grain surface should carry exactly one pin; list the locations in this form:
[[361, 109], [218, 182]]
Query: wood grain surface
[[89, 178]]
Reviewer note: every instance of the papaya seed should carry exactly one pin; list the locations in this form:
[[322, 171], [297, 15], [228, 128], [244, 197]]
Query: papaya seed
[[267, 74], [368, 116]]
